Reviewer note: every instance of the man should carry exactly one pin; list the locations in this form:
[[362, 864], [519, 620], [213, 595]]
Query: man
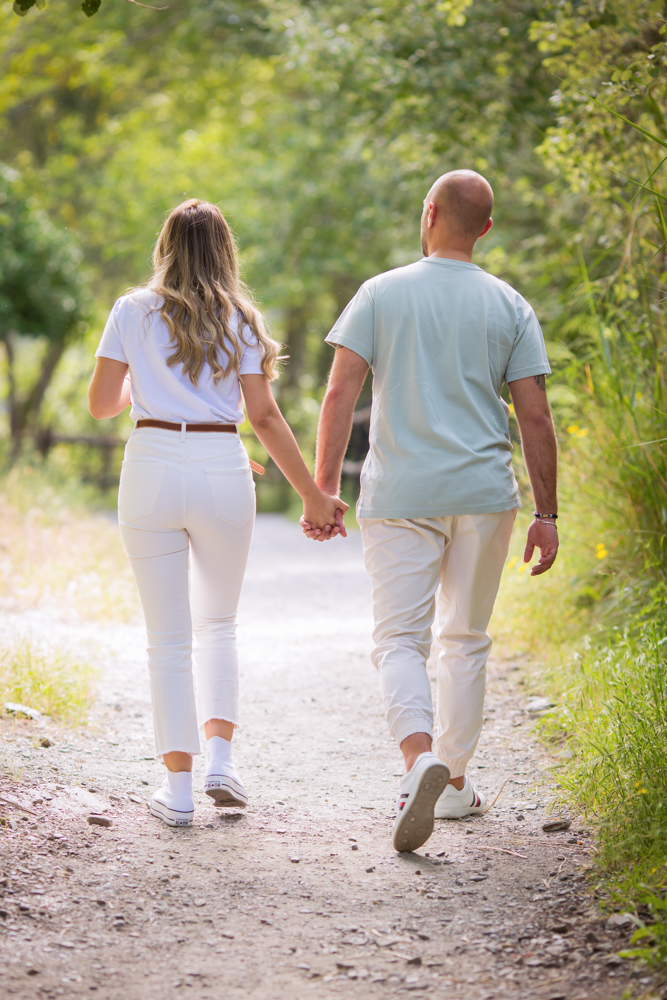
[[438, 494]]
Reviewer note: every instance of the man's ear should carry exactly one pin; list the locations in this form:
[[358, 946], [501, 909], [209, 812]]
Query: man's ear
[[486, 229], [432, 214]]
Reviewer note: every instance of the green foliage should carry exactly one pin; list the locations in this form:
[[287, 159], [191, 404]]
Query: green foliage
[[42, 293], [52, 683], [43, 296], [89, 7], [614, 717]]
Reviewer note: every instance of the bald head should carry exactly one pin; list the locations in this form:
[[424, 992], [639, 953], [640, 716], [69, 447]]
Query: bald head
[[465, 199]]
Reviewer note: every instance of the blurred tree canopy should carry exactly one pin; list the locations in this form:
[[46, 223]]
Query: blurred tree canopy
[[319, 126]]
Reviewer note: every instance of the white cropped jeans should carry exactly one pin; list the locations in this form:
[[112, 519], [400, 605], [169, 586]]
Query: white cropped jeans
[[407, 561], [186, 508]]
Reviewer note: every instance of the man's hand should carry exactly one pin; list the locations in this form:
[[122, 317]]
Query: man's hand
[[322, 516], [328, 532], [543, 536]]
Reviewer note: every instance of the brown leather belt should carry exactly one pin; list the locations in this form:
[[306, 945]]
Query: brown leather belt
[[165, 425]]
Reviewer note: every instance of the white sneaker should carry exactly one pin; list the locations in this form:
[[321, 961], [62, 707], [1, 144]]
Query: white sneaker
[[419, 792], [173, 802], [225, 787], [453, 804], [222, 780]]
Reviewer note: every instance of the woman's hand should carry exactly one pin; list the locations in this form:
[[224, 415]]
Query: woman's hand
[[322, 517]]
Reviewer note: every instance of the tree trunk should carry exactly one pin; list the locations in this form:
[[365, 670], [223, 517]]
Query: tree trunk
[[23, 413]]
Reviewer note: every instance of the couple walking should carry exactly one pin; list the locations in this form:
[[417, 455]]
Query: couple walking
[[438, 494]]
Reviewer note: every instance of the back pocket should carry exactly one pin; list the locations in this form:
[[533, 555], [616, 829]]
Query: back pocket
[[140, 484], [233, 492]]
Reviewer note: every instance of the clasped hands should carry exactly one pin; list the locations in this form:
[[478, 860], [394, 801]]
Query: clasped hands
[[322, 517]]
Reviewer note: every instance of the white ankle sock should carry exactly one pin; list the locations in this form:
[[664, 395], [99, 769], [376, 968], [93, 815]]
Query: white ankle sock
[[218, 752], [179, 787]]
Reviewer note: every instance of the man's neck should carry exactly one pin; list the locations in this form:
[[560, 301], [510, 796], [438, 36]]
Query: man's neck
[[451, 253]]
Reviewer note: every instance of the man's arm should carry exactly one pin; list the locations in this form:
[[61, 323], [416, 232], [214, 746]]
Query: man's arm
[[538, 441], [346, 379], [348, 374]]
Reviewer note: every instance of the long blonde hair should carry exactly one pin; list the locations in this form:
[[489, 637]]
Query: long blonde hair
[[196, 272]]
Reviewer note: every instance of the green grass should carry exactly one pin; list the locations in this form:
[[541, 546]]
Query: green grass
[[593, 633], [612, 717], [53, 683]]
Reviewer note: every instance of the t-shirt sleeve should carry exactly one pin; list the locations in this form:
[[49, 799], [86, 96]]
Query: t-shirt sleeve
[[529, 355], [251, 360], [111, 345], [355, 326]]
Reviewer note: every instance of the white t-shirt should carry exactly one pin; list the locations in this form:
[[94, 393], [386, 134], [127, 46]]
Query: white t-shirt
[[441, 336], [137, 335]]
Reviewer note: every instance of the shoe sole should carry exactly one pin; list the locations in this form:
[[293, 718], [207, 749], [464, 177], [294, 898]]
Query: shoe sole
[[415, 824], [225, 792], [172, 817]]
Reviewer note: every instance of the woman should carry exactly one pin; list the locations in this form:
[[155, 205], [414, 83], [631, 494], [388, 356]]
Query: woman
[[193, 341]]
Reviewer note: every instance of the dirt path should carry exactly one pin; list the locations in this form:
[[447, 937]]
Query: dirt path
[[301, 895]]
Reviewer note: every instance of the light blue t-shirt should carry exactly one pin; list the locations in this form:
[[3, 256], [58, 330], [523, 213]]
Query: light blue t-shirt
[[441, 336]]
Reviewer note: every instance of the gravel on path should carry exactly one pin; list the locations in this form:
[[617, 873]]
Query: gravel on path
[[301, 895]]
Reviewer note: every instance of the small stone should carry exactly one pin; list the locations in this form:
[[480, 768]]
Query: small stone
[[519, 816], [414, 961], [209, 826], [306, 968], [46, 742], [101, 902], [556, 825], [265, 921], [478, 878], [295, 861], [354, 847], [13, 708], [135, 798], [369, 870], [200, 902], [619, 920], [96, 820], [613, 960], [32, 972], [469, 830], [535, 705]]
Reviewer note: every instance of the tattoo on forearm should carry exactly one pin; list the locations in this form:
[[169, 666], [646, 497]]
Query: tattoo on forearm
[[540, 382]]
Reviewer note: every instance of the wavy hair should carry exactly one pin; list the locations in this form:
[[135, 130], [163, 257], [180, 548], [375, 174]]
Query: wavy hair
[[196, 273]]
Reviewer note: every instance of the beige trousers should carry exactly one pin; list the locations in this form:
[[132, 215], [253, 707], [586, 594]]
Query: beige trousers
[[434, 583]]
